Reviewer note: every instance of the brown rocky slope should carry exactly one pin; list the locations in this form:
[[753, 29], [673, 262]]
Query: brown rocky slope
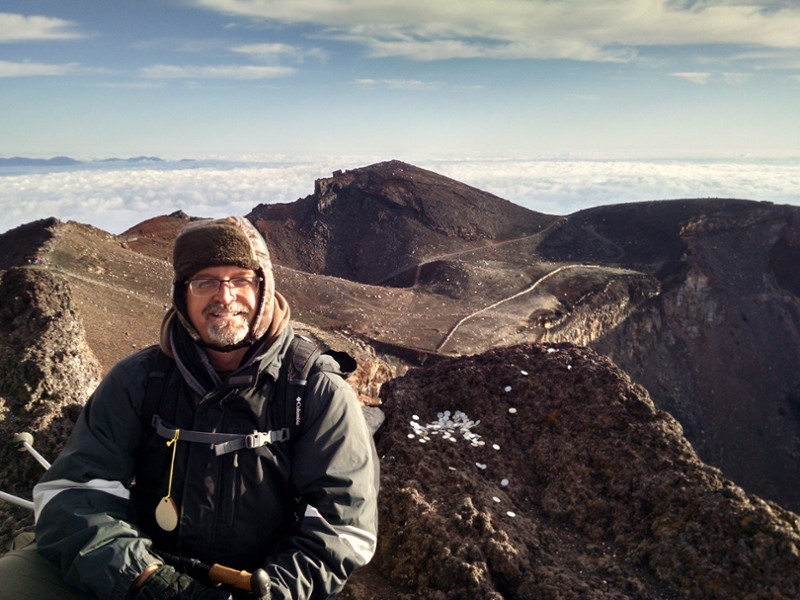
[[583, 489], [719, 346]]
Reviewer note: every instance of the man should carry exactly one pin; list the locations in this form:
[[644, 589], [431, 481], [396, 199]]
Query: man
[[214, 478]]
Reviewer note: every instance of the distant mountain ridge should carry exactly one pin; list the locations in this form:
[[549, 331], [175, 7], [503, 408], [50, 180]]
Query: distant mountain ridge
[[21, 161], [66, 161], [370, 224]]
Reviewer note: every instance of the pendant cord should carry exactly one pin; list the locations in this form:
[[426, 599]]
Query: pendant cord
[[173, 443]]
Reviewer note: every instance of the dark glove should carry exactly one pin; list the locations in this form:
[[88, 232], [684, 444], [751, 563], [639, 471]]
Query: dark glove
[[260, 585], [168, 584]]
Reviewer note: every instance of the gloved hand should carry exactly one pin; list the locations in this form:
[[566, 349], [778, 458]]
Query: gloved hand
[[168, 584], [260, 585]]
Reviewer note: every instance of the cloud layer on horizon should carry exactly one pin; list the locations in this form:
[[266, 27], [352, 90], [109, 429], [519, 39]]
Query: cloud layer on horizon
[[115, 199]]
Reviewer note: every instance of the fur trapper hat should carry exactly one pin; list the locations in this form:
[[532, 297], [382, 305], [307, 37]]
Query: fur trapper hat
[[221, 242]]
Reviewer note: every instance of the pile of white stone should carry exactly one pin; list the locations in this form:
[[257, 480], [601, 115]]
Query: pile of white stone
[[449, 427]]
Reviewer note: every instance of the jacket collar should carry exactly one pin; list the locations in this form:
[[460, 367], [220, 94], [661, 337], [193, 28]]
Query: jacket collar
[[193, 362]]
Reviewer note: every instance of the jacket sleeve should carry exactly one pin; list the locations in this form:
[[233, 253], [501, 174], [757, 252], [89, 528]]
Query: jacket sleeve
[[84, 517], [335, 471]]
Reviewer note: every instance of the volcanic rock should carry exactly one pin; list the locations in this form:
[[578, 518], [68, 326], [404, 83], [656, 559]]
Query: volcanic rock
[[719, 347], [47, 372], [583, 489], [19, 246], [155, 237]]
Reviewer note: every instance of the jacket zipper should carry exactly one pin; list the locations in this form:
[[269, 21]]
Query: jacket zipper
[[233, 488], [229, 503]]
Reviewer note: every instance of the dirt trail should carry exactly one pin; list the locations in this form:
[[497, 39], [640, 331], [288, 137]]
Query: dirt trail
[[115, 288], [439, 257], [527, 290]]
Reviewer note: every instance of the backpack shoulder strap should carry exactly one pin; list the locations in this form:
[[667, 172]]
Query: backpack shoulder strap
[[159, 375], [297, 364]]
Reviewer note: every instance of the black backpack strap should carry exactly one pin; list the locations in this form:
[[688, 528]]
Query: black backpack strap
[[157, 379], [297, 364]]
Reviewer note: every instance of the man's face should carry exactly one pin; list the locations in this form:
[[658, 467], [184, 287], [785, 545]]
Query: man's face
[[225, 317]]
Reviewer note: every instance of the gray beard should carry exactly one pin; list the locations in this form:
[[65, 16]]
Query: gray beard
[[229, 332]]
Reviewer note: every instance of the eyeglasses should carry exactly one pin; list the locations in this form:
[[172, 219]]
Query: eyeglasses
[[209, 287]]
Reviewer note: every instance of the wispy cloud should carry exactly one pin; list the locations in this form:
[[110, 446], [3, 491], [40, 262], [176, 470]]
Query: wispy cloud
[[769, 58], [588, 30], [27, 69], [214, 72], [273, 52], [21, 28], [736, 78], [700, 78], [132, 84], [398, 84]]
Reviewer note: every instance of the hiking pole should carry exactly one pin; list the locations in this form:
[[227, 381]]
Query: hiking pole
[[257, 582], [16, 500], [25, 442]]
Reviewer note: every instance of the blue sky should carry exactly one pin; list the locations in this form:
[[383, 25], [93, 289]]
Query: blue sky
[[397, 78], [341, 83]]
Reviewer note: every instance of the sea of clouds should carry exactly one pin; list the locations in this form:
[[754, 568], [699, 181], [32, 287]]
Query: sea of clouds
[[116, 196]]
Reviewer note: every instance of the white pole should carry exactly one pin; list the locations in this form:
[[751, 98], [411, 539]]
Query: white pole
[[42, 460], [15, 500]]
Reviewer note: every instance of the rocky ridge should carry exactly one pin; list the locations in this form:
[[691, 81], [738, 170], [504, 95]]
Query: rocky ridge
[[583, 489], [47, 372]]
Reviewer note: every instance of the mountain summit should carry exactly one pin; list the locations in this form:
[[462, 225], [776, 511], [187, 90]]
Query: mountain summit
[[369, 224]]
